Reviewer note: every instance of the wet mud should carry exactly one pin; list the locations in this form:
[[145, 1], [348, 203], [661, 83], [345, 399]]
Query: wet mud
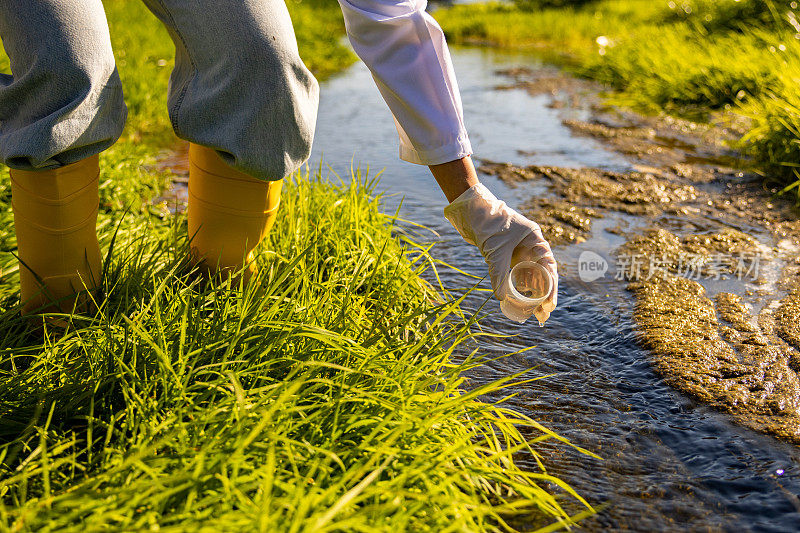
[[715, 348], [711, 253], [551, 80], [582, 194], [787, 322]]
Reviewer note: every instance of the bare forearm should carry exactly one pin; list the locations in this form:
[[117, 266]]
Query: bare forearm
[[455, 177]]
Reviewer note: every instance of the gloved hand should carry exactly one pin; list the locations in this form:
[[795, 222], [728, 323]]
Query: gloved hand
[[504, 237]]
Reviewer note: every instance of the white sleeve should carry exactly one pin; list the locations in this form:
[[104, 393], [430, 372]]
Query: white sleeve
[[404, 48]]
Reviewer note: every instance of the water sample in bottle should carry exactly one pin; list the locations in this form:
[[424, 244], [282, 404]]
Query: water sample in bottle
[[528, 285]]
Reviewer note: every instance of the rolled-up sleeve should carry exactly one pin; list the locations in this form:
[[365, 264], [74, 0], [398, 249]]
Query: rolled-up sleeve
[[405, 49]]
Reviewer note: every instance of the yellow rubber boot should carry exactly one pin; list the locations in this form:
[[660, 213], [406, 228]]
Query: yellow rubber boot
[[55, 217], [230, 212]]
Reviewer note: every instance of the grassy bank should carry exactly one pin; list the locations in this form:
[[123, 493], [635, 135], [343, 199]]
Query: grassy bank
[[322, 398], [689, 57]]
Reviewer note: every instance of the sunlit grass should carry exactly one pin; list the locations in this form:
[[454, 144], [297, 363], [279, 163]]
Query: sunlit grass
[[322, 397]]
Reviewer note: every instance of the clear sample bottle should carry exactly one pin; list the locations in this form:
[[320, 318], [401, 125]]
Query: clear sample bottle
[[528, 285]]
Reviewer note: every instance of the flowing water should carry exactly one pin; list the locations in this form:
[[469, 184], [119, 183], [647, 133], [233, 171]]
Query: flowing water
[[668, 463]]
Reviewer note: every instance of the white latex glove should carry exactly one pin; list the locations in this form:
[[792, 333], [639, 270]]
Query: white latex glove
[[504, 238]]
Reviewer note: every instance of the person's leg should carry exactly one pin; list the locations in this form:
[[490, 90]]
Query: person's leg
[[59, 108], [246, 102]]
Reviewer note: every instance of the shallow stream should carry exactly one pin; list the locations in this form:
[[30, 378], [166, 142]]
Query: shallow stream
[[669, 463]]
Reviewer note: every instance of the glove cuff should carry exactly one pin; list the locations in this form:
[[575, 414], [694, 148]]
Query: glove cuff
[[460, 211]]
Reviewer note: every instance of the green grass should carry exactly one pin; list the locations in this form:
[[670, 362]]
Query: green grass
[[689, 58], [328, 396], [324, 397], [319, 28]]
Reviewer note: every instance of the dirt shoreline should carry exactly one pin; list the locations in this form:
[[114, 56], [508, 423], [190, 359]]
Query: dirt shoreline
[[739, 353]]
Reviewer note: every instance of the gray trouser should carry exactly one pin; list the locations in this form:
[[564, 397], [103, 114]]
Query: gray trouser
[[238, 85]]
